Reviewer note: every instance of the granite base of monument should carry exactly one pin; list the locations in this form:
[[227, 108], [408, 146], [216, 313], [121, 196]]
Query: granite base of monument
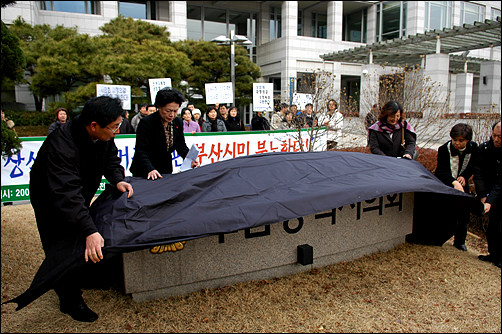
[[340, 234]]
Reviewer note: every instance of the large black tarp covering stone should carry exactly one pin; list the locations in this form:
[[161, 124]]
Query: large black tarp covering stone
[[240, 193]]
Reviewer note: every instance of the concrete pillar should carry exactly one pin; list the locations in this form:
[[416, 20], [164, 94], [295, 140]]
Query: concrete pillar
[[371, 25], [335, 19], [463, 92], [437, 68], [370, 87], [289, 15], [415, 22], [489, 86], [264, 24], [289, 18]]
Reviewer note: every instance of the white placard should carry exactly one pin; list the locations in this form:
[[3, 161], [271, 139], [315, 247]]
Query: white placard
[[156, 85], [263, 97], [300, 100], [220, 92], [123, 92]]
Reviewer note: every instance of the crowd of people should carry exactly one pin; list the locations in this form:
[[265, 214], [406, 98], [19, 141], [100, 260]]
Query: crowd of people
[[223, 118], [63, 185]]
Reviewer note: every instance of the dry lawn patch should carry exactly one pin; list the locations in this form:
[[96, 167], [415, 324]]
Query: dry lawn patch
[[411, 288]]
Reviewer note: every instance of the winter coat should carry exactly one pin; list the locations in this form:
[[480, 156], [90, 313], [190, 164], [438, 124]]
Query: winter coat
[[464, 166], [151, 148]]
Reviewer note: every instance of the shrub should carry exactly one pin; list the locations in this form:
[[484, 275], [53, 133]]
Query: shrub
[[427, 156], [23, 118], [11, 144]]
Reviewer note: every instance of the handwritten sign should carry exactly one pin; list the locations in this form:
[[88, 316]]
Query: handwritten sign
[[220, 92], [123, 92], [263, 97], [156, 85], [300, 100]]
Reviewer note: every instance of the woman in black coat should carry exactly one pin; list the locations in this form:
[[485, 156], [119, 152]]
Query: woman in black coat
[[455, 166], [392, 135], [233, 122], [157, 136]]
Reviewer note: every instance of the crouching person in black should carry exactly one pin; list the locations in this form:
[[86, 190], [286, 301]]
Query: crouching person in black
[[63, 180]]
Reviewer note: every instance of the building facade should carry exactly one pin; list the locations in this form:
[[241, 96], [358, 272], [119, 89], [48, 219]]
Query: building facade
[[288, 37]]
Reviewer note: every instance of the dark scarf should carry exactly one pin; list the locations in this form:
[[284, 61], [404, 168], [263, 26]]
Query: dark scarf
[[214, 125]]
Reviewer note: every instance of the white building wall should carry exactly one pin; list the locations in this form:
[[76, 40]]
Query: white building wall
[[283, 57]]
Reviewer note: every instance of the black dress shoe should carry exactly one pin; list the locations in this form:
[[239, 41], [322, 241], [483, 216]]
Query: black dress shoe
[[79, 311], [461, 247], [486, 258]]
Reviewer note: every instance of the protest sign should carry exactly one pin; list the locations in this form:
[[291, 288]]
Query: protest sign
[[156, 85], [263, 97], [123, 92], [220, 92]]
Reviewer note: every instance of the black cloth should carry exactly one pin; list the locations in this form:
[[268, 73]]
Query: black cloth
[[182, 206], [63, 180], [381, 143], [234, 124], [151, 148], [259, 123], [126, 127]]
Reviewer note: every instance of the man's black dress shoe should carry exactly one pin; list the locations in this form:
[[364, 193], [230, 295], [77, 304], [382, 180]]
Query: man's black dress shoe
[[79, 311], [490, 258], [486, 258], [461, 247]]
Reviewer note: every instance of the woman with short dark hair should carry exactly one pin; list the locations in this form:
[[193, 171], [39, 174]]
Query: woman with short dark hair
[[392, 135], [61, 117]]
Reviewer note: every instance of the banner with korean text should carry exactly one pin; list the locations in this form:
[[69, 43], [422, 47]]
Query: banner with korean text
[[213, 147]]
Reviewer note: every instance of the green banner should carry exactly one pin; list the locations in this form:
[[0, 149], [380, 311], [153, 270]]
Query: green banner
[[22, 192]]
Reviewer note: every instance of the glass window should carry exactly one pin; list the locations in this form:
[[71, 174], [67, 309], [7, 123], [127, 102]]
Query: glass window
[[495, 13], [391, 20], [299, 30], [81, 7], [275, 23], [206, 23], [470, 12], [354, 28], [238, 21], [194, 23], [136, 9], [319, 25], [438, 15], [215, 23]]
